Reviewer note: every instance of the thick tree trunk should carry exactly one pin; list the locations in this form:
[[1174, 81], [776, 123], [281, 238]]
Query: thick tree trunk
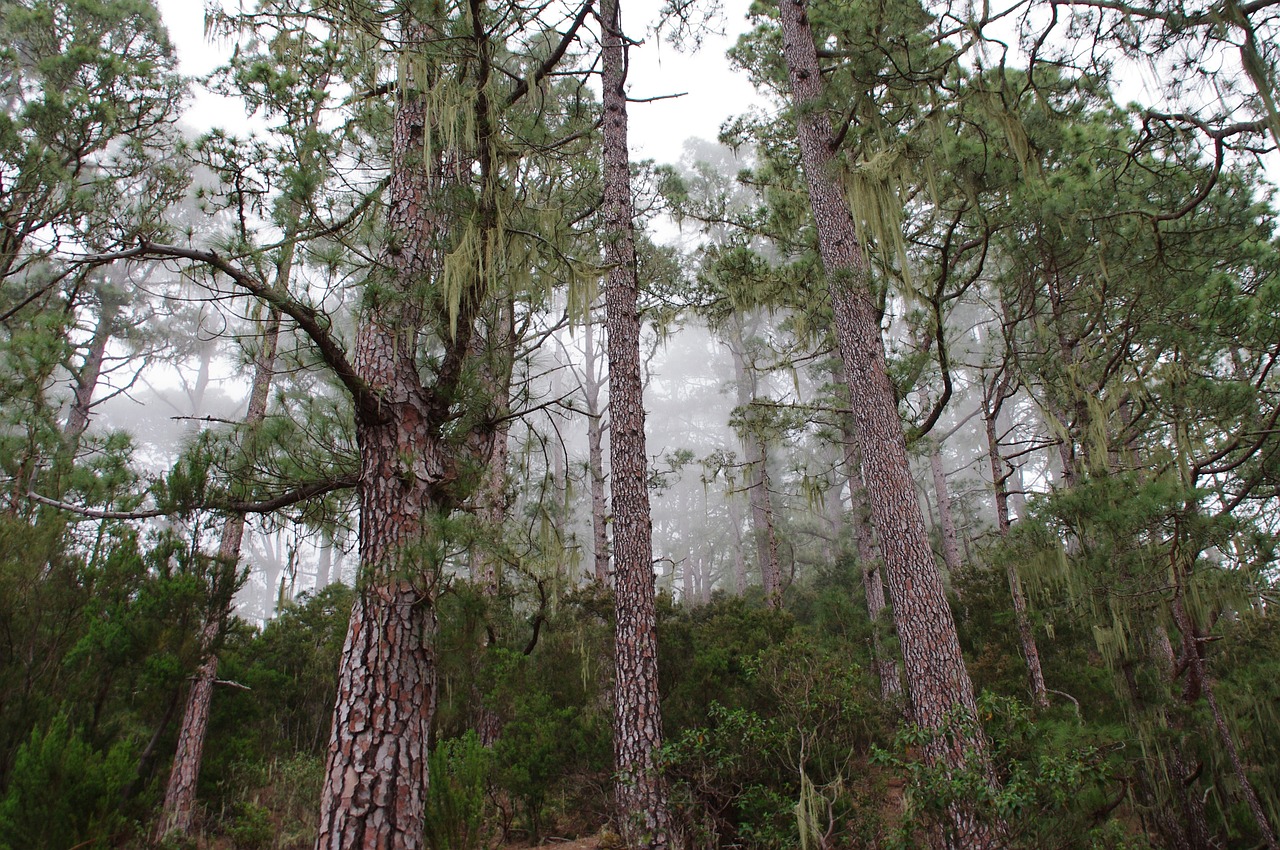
[[376, 771], [757, 457], [641, 797], [937, 680], [947, 523]]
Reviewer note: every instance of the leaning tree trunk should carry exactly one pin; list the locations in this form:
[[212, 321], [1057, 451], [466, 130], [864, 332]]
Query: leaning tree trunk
[[178, 812], [641, 798], [938, 682], [1026, 635], [86, 378]]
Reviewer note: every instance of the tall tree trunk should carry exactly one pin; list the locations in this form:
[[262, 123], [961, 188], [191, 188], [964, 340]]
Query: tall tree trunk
[[869, 565], [178, 812], [950, 547], [1026, 635], [757, 456], [493, 508], [937, 680], [739, 546], [592, 383], [375, 782], [641, 797]]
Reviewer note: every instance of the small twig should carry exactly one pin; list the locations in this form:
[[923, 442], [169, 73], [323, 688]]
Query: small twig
[[231, 684]]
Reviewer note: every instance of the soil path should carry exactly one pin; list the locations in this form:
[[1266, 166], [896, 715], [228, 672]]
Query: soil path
[[592, 843]]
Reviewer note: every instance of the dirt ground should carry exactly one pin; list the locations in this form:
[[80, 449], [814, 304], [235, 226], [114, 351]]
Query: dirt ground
[[592, 843]]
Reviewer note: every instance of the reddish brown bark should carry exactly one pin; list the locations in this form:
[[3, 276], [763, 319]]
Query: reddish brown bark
[[641, 798], [937, 680], [376, 769], [178, 812]]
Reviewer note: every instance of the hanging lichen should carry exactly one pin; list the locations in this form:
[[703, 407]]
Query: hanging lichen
[[875, 188]]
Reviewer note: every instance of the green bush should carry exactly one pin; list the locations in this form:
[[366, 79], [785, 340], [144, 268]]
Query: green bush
[[62, 793], [455, 815], [251, 829]]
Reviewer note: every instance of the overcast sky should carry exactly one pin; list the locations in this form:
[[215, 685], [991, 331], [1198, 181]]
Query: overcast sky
[[658, 129]]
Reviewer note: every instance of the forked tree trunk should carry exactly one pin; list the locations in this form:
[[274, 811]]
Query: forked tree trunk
[[641, 798], [938, 682]]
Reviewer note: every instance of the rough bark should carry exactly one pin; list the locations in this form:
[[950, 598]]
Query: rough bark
[[492, 349], [376, 768], [641, 799], [937, 680], [757, 457]]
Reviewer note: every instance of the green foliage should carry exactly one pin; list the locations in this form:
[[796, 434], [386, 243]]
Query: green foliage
[[784, 718], [251, 827], [461, 770], [63, 793], [1051, 779]]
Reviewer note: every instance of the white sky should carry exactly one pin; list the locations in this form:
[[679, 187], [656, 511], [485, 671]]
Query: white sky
[[658, 129]]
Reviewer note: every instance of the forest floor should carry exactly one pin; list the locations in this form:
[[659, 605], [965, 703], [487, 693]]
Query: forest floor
[[589, 843]]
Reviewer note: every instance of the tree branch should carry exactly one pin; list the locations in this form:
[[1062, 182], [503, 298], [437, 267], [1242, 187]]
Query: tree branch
[[549, 65], [284, 500], [313, 323]]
